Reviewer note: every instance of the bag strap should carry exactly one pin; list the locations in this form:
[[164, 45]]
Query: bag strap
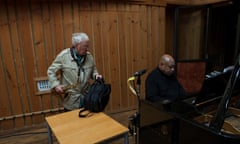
[[99, 81], [83, 113]]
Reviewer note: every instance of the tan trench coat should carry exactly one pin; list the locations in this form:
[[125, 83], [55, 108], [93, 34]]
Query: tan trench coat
[[69, 69]]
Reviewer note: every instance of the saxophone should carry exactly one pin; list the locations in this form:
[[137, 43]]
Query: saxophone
[[130, 86], [65, 88], [70, 86]]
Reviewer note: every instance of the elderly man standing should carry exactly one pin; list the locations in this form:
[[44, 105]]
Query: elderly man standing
[[76, 66], [162, 84]]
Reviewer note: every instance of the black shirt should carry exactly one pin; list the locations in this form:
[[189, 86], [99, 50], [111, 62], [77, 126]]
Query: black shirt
[[161, 87]]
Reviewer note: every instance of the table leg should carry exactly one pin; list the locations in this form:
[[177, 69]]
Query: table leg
[[126, 138], [50, 141]]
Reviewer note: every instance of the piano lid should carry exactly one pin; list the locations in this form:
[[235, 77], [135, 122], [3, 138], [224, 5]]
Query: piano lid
[[218, 119]]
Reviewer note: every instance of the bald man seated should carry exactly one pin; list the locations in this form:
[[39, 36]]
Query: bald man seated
[[162, 84]]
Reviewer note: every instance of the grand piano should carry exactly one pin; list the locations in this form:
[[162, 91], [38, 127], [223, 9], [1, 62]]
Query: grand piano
[[211, 116]]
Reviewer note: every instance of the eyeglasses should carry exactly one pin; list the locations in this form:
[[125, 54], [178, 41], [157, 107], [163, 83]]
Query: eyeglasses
[[83, 46]]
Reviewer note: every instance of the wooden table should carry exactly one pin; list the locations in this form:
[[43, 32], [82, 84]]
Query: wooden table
[[69, 128]]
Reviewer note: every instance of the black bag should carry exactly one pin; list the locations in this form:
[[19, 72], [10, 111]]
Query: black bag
[[97, 97]]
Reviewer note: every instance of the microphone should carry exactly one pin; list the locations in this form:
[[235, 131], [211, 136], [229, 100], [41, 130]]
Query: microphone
[[139, 73]]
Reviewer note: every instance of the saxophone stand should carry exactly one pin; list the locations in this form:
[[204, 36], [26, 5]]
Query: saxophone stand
[[134, 126]]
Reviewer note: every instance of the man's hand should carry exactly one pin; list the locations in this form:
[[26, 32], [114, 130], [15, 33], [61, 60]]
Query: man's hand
[[59, 89], [98, 76]]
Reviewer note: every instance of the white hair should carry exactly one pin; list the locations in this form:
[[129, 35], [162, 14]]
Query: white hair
[[78, 38]]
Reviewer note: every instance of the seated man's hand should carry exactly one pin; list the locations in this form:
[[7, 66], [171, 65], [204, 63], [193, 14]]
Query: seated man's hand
[[166, 101]]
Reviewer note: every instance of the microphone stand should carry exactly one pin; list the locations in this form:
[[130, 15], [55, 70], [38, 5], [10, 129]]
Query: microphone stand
[[134, 126], [137, 116]]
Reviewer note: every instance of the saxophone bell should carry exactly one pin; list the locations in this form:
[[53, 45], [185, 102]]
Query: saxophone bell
[[130, 86]]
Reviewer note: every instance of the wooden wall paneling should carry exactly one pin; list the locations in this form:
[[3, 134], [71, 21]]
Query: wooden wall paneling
[[47, 32], [95, 29], [86, 21], [205, 2], [156, 35], [183, 46], [99, 42], [40, 51], [154, 39], [97, 38], [122, 38], [10, 74], [76, 11], [149, 35], [114, 62], [162, 30], [56, 14], [26, 38], [179, 2], [37, 38], [143, 45], [199, 23], [5, 104], [136, 45], [129, 53], [86, 26], [18, 54], [111, 5], [86, 5], [67, 23], [50, 50], [190, 36], [56, 38], [105, 56], [169, 29]]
